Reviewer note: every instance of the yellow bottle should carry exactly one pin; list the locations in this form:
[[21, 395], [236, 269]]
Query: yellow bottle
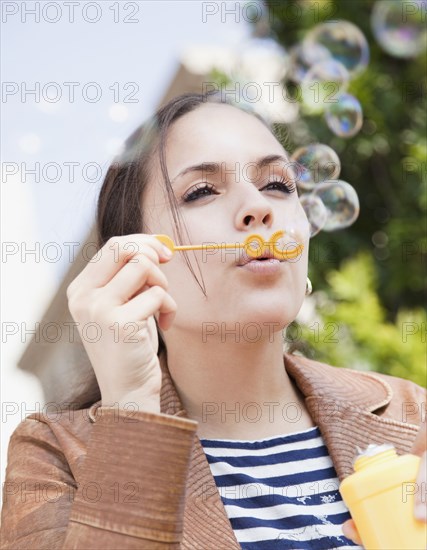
[[380, 496]]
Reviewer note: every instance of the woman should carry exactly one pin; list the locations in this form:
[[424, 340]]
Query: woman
[[206, 434]]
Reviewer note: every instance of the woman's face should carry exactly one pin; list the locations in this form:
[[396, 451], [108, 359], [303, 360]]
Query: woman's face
[[229, 203]]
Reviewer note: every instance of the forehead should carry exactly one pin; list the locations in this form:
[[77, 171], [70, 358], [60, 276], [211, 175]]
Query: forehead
[[219, 133]]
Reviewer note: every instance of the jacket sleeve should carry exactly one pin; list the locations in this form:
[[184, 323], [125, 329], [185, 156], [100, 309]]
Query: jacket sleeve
[[130, 491]]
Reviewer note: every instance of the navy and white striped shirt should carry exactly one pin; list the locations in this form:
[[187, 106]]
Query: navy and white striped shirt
[[280, 492]]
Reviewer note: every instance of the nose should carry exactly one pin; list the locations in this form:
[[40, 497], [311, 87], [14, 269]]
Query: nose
[[255, 212]]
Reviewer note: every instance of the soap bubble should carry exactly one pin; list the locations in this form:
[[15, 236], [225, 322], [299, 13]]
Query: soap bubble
[[315, 164], [399, 27], [302, 58], [296, 233], [345, 42], [345, 117], [323, 84], [341, 201], [315, 211]]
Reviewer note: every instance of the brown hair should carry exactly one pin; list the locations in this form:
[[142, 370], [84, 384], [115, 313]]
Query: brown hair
[[120, 202]]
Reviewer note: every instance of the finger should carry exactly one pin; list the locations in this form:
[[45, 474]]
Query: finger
[[149, 302], [113, 256], [350, 531], [132, 278], [420, 506]]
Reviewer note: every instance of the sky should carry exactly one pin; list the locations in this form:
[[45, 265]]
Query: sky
[[78, 77]]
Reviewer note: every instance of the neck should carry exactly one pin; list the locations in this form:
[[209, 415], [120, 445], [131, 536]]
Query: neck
[[236, 390]]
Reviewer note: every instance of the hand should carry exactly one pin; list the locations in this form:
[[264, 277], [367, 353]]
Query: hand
[[420, 510], [350, 531], [119, 294]]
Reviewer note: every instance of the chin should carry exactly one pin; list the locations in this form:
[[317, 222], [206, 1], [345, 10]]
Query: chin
[[265, 316]]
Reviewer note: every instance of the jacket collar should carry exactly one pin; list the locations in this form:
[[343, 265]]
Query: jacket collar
[[342, 403], [359, 389], [348, 406], [364, 390]]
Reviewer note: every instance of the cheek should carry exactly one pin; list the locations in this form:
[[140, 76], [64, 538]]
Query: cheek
[[299, 270], [157, 215], [302, 274], [182, 284], [173, 271], [301, 223]]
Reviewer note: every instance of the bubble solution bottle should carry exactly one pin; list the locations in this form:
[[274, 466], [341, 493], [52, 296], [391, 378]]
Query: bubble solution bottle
[[380, 496]]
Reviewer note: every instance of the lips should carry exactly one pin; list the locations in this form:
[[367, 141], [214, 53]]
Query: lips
[[245, 258]]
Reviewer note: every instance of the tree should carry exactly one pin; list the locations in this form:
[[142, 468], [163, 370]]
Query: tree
[[387, 164]]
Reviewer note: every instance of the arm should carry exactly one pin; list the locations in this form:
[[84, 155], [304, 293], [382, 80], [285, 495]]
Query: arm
[[129, 490]]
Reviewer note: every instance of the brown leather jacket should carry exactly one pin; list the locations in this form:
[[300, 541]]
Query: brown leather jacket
[[101, 478]]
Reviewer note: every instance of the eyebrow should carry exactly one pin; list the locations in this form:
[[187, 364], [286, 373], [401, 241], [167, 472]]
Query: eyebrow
[[211, 167]]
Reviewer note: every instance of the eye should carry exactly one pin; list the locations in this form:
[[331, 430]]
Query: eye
[[198, 191], [282, 185]]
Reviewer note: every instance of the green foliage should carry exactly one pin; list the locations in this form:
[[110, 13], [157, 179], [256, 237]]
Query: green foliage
[[352, 330], [378, 295], [386, 162]]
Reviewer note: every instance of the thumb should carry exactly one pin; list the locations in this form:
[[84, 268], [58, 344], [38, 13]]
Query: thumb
[[350, 531]]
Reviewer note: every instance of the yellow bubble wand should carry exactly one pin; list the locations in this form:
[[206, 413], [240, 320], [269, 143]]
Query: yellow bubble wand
[[248, 245]]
